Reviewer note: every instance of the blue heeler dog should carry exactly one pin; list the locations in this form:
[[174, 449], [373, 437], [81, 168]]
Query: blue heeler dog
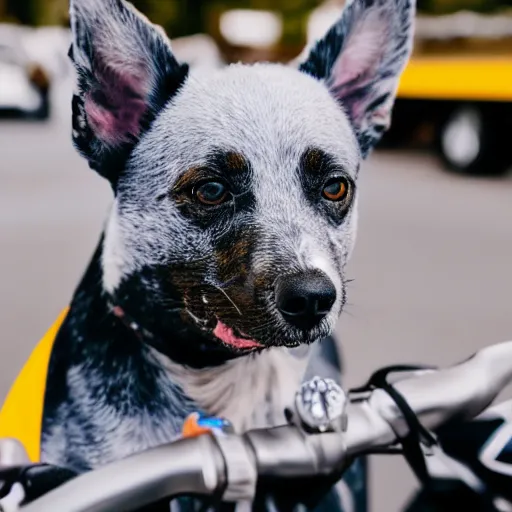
[[222, 263]]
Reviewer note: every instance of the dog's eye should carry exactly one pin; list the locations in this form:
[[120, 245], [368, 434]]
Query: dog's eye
[[336, 189], [211, 193]]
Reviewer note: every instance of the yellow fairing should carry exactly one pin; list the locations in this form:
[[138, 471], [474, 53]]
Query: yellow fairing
[[457, 78], [22, 413]]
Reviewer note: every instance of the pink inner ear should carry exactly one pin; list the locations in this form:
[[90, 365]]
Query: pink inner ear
[[358, 63], [362, 55], [116, 107]]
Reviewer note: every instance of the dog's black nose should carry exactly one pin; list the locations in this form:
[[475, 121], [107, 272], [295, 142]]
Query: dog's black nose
[[304, 299]]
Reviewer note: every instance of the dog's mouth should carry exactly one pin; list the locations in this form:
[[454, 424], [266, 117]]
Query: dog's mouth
[[230, 337], [241, 322], [235, 339]]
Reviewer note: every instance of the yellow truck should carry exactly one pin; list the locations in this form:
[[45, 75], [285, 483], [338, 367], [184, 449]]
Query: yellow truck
[[457, 93]]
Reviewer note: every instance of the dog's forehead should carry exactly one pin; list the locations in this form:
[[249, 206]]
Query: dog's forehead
[[263, 111]]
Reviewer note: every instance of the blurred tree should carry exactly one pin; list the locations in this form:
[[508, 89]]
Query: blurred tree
[[179, 17], [23, 11], [294, 14], [166, 13], [36, 12], [52, 12], [183, 17], [450, 6]]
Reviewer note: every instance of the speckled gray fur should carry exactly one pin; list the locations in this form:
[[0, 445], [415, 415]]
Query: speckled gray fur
[[142, 119]]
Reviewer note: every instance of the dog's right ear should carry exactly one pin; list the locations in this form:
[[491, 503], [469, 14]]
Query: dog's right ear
[[126, 74], [361, 59]]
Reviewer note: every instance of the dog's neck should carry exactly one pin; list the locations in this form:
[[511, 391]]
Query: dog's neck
[[251, 391], [217, 382], [158, 317]]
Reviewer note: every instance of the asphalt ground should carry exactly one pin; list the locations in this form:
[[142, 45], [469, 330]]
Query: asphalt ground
[[432, 268]]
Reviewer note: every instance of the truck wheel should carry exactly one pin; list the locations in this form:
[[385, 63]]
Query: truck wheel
[[471, 141], [43, 112]]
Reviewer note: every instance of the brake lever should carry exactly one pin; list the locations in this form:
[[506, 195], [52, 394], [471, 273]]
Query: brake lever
[[20, 485]]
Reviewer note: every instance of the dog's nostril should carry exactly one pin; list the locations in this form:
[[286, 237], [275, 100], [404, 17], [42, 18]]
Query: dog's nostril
[[294, 306], [305, 299], [324, 304]]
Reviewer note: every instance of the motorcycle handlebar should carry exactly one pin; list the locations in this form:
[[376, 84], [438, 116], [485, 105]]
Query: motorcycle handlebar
[[230, 466]]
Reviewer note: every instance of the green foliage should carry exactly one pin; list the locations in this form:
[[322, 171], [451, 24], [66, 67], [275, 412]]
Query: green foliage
[[51, 12], [22, 11], [450, 6], [164, 12], [183, 17], [295, 16], [294, 13]]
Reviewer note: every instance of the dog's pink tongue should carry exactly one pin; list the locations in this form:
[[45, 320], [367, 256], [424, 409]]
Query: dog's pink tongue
[[226, 334]]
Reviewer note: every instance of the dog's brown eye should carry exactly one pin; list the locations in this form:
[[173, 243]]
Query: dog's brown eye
[[211, 193], [335, 189]]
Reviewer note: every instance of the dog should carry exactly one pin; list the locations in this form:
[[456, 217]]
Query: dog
[[222, 262]]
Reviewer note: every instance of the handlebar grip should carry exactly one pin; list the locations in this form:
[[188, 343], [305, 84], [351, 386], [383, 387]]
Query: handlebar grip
[[201, 465], [460, 392], [187, 466]]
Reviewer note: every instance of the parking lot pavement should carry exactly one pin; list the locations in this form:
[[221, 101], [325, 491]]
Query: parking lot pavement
[[432, 267]]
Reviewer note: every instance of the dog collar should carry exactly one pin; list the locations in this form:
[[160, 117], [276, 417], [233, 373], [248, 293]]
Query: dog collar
[[145, 336], [141, 333]]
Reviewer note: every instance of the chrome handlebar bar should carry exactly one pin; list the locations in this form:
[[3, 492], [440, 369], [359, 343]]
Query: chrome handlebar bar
[[229, 466]]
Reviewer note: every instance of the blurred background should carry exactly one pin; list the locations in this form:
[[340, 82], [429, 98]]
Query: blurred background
[[433, 263]]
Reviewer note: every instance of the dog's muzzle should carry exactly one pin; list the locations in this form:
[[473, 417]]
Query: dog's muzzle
[[305, 299]]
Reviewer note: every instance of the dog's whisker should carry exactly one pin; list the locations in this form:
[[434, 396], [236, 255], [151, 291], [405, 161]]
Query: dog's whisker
[[195, 318], [349, 313], [228, 297], [229, 282]]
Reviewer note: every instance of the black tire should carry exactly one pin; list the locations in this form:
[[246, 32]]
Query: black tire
[[43, 112], [404, 122], [448, 496], [471, 140]]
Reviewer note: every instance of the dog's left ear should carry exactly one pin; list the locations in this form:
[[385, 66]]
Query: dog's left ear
[[361, 59], [126, 74]]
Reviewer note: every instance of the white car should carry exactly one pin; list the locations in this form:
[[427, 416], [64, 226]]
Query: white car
[[24, 86]]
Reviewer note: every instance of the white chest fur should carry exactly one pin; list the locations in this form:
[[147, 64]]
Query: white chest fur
[[251, 392]]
